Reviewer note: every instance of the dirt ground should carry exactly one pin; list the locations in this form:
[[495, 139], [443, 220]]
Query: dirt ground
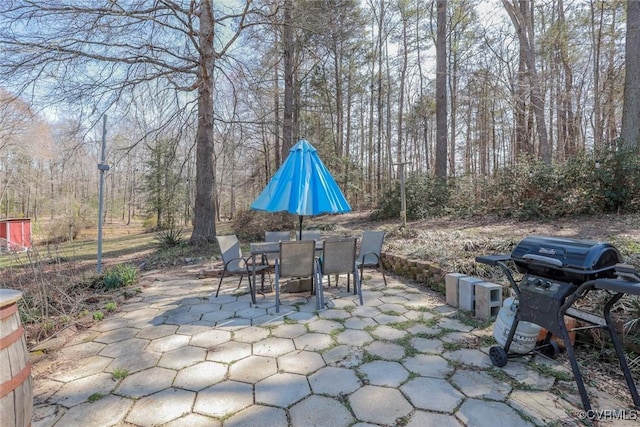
[[454, 243]]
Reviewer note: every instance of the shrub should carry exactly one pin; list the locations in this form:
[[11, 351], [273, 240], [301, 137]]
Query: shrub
[[119, 276], [530, 189], [250, 225], [170, 238], [66, 228], [425, 196]]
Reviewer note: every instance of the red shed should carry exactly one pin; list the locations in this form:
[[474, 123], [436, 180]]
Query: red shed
[[15, 234]]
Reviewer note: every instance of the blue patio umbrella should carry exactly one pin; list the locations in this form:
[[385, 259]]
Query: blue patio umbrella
[[303, 185]]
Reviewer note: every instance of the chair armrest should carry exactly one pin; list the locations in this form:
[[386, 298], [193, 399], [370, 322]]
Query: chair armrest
[[362, 257], [232, 260]]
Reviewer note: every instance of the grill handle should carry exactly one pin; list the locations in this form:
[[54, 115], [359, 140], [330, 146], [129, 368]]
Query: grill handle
[[499, 260], [492, 260], [628, 272], [544, 260]]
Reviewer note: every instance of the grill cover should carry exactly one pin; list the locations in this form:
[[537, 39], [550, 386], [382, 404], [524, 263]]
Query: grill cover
[[582, 260]]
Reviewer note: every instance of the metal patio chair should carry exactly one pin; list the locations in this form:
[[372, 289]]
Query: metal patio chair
[[275, 236], [311, 235], [371, 252], [297, 259], [234, 263], [338, 257]]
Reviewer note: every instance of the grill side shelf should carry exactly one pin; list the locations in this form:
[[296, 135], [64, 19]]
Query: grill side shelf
[[586, 316]]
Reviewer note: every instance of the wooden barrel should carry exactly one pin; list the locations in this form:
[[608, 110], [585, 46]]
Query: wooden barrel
[[16, 393]]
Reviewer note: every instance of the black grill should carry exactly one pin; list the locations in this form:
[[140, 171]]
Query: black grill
[[556, 273], [553, 269], [567, 260]]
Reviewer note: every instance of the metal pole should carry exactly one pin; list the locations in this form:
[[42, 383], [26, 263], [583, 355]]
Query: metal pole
[[102, 167], [403, 199], [403, 208]]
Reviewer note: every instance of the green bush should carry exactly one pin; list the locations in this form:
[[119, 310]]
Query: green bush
[[528, 190], [120, 276], [425, 196]]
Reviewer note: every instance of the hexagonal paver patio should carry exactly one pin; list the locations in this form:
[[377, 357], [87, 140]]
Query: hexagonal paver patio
[[178, 356]]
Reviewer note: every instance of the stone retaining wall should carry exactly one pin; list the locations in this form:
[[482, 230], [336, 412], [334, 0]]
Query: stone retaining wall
[[428, 273]]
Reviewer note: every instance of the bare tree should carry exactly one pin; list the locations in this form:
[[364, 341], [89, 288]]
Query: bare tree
[[93, 53], [521, 15]]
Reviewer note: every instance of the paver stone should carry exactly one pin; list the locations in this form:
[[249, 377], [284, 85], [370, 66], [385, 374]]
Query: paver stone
[[334, 381], [252, 369], [475, 412], [201, 375], [224, 399], [320, 411], [258, 415], [380, 405], [442, 397], [300, 362], [146, 382], [161, 407], [384, 373], [110, 410], [282, 390]]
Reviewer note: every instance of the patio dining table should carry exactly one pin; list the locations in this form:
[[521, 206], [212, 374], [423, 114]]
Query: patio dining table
[[266, 248]]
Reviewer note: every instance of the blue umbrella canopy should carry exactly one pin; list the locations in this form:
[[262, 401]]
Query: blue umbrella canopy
[[303, 185]]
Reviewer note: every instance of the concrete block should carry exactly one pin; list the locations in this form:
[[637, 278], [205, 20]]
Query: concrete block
[[451, 288], [488, 300], [466, 292]]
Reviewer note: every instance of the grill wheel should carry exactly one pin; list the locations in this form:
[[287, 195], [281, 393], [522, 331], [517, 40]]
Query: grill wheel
[[498, 356]]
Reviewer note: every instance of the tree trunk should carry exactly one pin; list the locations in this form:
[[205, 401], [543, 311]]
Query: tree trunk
[[204, 227], [522, 144], [287, 40], [441, 90], [380, 100], [630, 132], [596, 37], [277, 154], [403, 72]]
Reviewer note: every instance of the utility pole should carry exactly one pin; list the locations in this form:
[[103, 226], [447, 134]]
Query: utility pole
[[102, 167]]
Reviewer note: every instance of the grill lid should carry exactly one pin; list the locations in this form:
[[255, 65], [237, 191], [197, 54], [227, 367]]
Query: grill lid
[[569, 260]]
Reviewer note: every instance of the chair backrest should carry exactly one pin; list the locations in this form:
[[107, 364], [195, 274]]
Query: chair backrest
[[297, 258], [276, 236], [311, 235], [230, 250], [338, 256], [371, 244]]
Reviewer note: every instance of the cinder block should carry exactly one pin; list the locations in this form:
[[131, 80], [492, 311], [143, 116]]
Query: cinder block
[[488, 300], [451, 288], [466, 292]]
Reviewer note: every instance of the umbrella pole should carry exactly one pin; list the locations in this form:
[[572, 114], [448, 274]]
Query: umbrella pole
[[300, 235]]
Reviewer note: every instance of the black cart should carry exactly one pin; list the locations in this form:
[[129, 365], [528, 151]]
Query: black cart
[[556, 273]]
